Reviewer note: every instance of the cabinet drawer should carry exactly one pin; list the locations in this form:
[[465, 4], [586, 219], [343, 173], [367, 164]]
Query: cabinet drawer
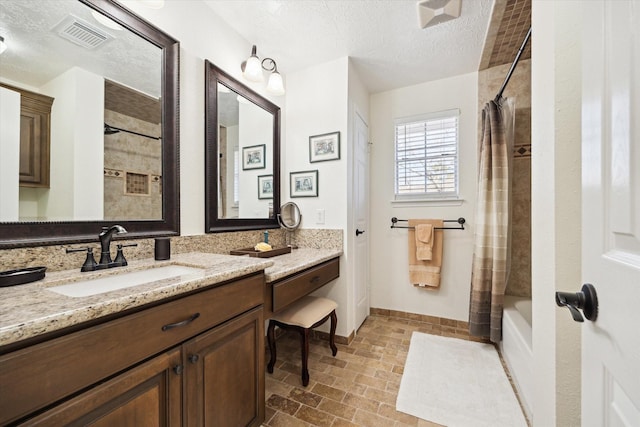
[[39, 375], [293, 288]]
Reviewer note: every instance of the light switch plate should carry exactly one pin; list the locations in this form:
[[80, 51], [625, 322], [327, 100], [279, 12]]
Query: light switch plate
[[319, 216]]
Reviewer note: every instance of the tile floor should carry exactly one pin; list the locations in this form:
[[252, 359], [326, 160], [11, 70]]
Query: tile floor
[[356, 388]]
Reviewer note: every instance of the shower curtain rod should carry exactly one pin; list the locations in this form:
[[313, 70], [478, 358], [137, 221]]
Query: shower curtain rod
[[110, 130], [513, 66]]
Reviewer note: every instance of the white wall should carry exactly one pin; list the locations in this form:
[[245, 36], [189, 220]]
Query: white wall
[[317, 103], [9, 154], [202, 35], [77, 147], [555, 208], [232, 147], [390, 287], [254, 129]]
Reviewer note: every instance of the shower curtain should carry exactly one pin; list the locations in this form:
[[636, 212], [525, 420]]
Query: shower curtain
[[492, 237]]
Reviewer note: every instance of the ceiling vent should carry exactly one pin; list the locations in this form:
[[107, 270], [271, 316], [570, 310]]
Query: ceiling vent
[[81, 32], [434, 12]]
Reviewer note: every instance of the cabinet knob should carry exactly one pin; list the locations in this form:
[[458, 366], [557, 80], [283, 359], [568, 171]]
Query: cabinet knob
[[178, 369], [193, 358]]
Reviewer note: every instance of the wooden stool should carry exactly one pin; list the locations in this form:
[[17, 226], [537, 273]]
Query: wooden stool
[[302, 316]]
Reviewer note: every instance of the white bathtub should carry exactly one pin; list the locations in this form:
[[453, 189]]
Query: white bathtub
[[516, 347]]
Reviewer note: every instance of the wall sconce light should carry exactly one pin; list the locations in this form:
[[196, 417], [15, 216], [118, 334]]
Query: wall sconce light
[[252, 71], [3, 45]]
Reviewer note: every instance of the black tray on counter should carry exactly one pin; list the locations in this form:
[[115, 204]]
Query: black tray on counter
[[21, 276], [264, 254]]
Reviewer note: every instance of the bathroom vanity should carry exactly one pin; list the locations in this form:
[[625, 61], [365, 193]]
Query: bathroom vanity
[[186, 350]]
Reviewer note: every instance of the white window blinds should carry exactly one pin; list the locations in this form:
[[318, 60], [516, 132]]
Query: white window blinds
[[427, 156]]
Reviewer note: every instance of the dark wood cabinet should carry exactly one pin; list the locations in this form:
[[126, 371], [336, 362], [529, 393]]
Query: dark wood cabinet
[[140, 369], [35, 137], [290, 289], [225, 374], [147, 395]]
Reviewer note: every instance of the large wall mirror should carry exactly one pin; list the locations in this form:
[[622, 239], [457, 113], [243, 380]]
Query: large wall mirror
[[106, 151], [242, 156]]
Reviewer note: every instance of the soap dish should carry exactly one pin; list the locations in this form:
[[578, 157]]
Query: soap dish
[[21, 276]]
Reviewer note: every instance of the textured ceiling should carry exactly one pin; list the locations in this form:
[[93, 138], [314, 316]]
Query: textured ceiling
[[383, 38], [36, 53]]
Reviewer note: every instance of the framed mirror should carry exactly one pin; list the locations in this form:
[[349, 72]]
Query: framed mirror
[[242, 156], [113, 137]]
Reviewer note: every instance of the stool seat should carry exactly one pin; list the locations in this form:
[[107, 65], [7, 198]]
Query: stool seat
[[306, 311], [302, 316]]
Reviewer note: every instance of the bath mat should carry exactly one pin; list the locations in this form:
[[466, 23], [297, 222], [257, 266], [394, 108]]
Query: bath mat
[[457, 383]]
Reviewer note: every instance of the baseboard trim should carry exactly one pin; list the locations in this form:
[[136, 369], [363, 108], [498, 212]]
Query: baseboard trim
[[432, 324]]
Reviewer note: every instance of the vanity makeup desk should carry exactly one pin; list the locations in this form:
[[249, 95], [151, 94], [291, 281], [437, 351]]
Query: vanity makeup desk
[[298, 274]]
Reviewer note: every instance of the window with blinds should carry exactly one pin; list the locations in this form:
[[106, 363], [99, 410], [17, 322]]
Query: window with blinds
[[427, 156]]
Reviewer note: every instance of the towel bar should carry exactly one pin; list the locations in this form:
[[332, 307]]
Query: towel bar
[[460, 221]]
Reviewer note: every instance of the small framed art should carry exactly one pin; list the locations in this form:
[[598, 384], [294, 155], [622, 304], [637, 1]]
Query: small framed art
[[253, 157], [265, 187], [324, 147], [304, 184]]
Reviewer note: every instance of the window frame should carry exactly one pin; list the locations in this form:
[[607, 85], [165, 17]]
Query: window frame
[[426, 196]]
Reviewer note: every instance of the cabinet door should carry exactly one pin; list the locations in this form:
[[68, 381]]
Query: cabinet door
[[147, 395], [31, 134], [225, 374]]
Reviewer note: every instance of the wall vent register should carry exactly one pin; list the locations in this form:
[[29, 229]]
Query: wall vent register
[[81, 32]]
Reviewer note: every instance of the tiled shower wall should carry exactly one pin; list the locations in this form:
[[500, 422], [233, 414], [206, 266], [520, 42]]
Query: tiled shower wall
[[127, 153], [519, 87]]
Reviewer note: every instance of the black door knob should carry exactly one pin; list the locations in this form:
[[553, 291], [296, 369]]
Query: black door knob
[[359, 232], [585, 300]]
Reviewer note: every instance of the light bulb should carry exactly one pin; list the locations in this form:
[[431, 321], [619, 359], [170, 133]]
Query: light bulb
[[253, 69], [275, 85]]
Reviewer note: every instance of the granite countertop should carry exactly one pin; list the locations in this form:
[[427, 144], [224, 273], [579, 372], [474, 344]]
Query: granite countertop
[[298, 260], [32, 309]]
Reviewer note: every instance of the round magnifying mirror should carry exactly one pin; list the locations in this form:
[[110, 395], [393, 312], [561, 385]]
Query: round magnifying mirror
[[289, 218]]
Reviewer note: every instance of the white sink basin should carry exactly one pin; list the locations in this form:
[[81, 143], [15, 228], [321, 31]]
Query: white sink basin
[[101, 285]]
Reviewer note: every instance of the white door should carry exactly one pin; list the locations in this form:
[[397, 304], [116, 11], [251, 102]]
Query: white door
[[361, 216], [611, 211]]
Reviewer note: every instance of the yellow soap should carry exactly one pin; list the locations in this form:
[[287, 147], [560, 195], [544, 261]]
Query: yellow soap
[[262, 247]]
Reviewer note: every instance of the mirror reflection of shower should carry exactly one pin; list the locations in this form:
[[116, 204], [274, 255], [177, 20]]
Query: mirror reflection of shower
[[290, 218], [132, 153]]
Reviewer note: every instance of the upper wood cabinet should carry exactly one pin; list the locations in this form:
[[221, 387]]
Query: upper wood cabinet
[[35, 137]]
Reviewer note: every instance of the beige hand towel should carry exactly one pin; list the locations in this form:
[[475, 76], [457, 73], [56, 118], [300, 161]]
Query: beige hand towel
[[425, 273], [424, 241]]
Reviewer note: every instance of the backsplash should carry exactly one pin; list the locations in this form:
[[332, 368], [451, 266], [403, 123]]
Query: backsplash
[[55, 258]]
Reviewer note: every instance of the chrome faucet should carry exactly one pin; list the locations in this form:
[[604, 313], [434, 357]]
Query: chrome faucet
[[105, 245]]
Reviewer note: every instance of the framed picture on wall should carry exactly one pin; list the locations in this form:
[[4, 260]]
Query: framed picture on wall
[[253, 157], [324, 147], [265, 187], [304, 184]]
